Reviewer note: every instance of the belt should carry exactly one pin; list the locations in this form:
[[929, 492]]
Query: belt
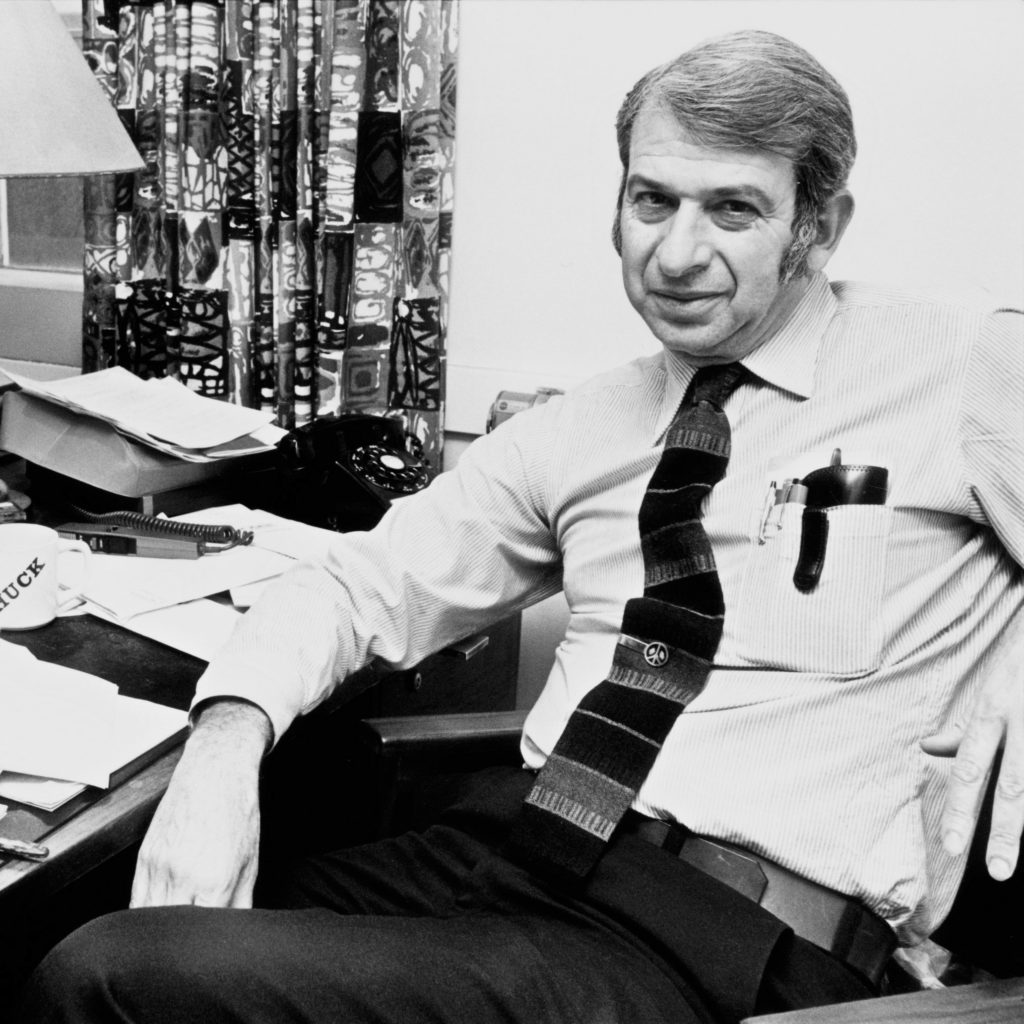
[[832, 921]]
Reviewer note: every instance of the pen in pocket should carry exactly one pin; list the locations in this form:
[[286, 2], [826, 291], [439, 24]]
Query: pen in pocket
[[778, 497]]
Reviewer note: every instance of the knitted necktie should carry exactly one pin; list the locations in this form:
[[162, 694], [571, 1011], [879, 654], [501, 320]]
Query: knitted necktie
[[662, 658]]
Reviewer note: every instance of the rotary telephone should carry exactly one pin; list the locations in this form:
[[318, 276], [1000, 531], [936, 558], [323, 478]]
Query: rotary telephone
[[343, 473]]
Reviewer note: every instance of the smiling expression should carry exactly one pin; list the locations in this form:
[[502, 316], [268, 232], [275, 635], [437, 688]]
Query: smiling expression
[[704, 234]]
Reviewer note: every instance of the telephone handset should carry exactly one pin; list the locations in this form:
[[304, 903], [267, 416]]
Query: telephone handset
[[134, 533], [346, 471]]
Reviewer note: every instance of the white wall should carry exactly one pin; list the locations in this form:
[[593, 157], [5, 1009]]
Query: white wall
[[937, 88]]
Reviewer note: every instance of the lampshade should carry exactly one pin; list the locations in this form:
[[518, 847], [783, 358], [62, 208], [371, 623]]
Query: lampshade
[[54, 116]]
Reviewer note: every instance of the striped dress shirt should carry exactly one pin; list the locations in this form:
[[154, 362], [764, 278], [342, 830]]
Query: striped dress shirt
[[804, 746]]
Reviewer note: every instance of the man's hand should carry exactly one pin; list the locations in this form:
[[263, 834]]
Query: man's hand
[[997, 719], [202, 845]]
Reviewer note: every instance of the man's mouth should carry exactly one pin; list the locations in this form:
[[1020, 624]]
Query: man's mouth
[[686, 302], [686, 296]]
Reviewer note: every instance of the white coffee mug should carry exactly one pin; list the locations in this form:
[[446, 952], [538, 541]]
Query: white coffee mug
[[30, 595]]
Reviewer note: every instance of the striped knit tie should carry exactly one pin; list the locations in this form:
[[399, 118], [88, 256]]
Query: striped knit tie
[[662, 659]]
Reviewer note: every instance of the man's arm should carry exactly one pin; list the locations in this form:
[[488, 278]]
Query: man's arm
[[996, 720], [203, 843], [441, 564], [993, 457]]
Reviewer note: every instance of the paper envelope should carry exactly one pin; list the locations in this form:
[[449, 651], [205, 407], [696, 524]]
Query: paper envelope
[[87, 449]]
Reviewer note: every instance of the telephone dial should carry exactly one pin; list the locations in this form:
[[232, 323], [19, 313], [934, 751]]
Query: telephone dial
[[343, 473]]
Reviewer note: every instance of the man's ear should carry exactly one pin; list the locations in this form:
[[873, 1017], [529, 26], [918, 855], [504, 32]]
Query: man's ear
[[832, 223]]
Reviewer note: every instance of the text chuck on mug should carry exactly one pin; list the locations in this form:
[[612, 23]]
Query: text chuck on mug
[[29, 591]]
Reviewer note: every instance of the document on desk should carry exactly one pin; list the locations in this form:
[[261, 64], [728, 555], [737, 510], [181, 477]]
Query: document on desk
[[161, 412], [137, 727], [54, 721], [270, 532], [128, 585], [179, 602], [200, 627], [299, 541], [61, 729]]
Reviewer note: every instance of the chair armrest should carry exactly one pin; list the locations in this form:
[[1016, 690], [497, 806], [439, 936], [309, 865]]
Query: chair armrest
[[442, 736], [416, 763]]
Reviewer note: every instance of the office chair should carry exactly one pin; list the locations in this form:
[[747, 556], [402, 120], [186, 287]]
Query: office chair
[[415, 763]]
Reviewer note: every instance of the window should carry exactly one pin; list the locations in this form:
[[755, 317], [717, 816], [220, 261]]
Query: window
[[41, 225]]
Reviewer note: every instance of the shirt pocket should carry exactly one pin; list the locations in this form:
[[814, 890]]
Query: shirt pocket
[[838, 627]]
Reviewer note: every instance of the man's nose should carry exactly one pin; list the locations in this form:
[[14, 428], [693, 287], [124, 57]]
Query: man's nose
[[684, 245]]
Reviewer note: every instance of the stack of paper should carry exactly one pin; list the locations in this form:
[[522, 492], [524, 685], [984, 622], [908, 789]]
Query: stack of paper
[[178, 602], [128, 585], [61, 730], [161, 413]]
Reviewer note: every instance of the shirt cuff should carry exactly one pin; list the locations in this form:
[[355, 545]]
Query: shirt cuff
[[232, 678]]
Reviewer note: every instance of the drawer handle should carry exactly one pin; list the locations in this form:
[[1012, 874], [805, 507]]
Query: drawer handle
[[468, 648]]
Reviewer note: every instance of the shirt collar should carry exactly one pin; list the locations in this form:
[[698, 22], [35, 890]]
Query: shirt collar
[[786, 360]]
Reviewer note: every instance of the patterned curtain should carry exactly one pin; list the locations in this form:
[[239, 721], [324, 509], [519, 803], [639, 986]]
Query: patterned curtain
[[287, 246]]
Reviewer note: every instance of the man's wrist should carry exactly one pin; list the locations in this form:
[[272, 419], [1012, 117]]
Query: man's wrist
[[244, 724]]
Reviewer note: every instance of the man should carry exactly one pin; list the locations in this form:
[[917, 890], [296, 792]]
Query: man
[[816, 743]]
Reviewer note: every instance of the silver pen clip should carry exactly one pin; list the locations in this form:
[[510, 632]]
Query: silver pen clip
[[775, 504], [766, 511]]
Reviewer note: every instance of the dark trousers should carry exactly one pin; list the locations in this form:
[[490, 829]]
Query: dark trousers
[[439, 927]]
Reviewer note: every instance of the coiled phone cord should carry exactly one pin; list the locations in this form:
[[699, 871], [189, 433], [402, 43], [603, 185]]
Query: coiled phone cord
[[212, 537]]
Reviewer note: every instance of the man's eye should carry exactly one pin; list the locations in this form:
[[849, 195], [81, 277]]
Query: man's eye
[[735, 213], [651, 202]]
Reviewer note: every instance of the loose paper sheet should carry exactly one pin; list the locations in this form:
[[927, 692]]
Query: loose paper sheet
[[160, 412], [270, 532], [135, 596], [200, 628], [46, 794], [137, 726], [54, 721], [128, 585]]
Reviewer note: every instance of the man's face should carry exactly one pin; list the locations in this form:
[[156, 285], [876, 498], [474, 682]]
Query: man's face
[[704, 232]]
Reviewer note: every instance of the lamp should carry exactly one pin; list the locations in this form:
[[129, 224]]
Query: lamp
[[54, 117]]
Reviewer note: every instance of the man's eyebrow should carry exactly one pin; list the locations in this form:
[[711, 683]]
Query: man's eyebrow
[[634, 180], [752, 193]]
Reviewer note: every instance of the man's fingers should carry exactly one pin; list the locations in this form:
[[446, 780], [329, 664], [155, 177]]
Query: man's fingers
[[152, 889], [1004, 840], [141, 893], [241, 898], [968, 778], [159, 883]]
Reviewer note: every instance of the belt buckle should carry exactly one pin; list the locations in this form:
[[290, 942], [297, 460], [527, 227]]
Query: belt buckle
[[739, 872]]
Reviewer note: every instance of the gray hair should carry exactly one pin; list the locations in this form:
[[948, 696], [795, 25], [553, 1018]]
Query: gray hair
[[755, 90]]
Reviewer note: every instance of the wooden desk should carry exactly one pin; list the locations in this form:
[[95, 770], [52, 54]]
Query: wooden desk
[[480, 676], [996, 1002], [118, 817], [89, 868], [107, 827]]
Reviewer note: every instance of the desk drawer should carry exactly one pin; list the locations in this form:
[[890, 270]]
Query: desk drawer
[[478, 675]]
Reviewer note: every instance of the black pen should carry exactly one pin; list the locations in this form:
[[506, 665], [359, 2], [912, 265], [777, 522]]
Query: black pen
[[23, 850]]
